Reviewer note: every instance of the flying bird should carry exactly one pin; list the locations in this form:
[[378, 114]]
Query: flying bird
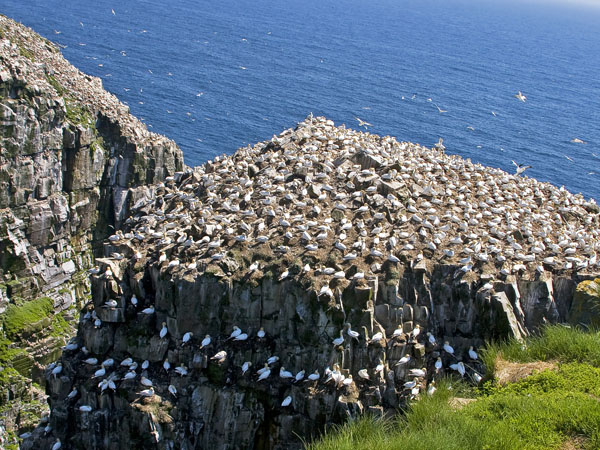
[[362, 123], [520, 168], [440, 144]]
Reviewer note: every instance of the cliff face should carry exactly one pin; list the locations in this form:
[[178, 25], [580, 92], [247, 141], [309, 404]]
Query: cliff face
[[72, 162], [365, 262]]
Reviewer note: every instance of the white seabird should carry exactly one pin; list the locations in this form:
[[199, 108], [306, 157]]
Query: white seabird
[[472, 353], [163, 330], [182, 371], [285, 373], [265, 373], [448, 348], [235, 333], [147, 392], [520, 96], [149, 310], [205, 342], [186, 337], [219, 356], [245, 367], [339, 340]]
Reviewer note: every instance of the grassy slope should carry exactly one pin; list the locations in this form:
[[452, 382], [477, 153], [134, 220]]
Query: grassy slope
[[547, 410]]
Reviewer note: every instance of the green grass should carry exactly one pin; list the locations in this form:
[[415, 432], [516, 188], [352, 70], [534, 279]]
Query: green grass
[[542, 411], [503, 420], [558, 342]]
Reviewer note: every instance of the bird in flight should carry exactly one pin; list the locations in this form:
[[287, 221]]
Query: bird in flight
[[440, 109], [440, 144], [362, 123], [520, 168], [520, 96]]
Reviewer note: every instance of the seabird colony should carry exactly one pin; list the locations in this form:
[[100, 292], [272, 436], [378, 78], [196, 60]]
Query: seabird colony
[[328, 205], [322, 193]]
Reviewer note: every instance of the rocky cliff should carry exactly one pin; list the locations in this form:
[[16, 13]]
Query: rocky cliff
[[264, 296], [72, 162]]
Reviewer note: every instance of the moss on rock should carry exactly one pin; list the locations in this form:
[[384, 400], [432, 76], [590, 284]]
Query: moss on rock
[[585, 308], [27, 318]]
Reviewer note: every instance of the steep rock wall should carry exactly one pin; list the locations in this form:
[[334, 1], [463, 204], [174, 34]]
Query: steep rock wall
[[72, 162], [216, 405]]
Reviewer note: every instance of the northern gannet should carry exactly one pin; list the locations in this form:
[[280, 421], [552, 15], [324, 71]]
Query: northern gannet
[[266, 371], [339, 340], [186, 337], [205, 342], [472, 353], [314, 376], [448, 348], [362, 123], [182, 370], [520, 96], [163, 330], [245, 367], [149, 310], [219, 356], [520, 168], [235, 333]]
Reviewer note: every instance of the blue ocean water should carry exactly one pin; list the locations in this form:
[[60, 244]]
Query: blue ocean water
[[215, 76]]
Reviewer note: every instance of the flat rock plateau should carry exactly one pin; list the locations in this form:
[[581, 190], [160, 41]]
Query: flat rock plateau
[[254, 301]]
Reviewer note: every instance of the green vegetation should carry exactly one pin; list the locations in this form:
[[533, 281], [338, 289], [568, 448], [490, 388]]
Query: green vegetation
[[60, 327], [26, 317], [549, 409], [555, 343], [55, 84], [26, 53], [77, 114], [97, 145]]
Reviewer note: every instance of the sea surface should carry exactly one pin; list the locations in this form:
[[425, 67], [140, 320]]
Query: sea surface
[[218, 75]]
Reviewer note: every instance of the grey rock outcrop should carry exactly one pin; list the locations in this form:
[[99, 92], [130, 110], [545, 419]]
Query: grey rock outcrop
[[72, 162], [585, 308]]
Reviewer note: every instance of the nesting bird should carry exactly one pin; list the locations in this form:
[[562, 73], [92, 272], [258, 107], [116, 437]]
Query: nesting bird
[[163, 330]]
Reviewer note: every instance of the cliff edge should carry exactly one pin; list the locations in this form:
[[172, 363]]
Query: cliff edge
[[72, 162]]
